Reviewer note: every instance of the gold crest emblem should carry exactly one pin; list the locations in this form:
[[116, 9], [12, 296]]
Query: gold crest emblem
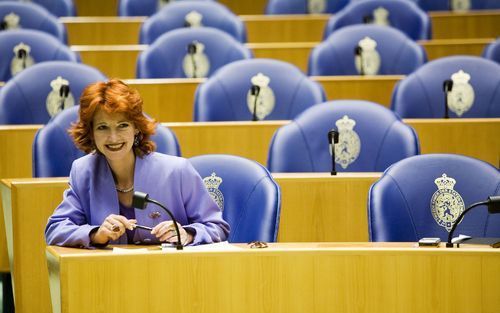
[[446, 203], [212, 184]]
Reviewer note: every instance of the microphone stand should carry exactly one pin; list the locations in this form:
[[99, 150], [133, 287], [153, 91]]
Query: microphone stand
[[21, 54], [447, 87], [333, 138], [358, 51], [63, 93], [192, 50], [255, 91], [139, 201], [493, 204]]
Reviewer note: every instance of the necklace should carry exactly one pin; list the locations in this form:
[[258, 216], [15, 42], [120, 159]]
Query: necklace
[[124, 190]]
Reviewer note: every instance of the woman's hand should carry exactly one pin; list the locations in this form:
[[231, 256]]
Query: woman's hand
[[113, 227], [165, 231]]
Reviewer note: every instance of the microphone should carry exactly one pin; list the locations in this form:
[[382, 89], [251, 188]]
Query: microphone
[[191, 49], [333, 138], [368, 19], [63, 93], [255, 91], [21, 54], [3, 25], [493, 204], [140, 200], [358, 51], [447, 87]]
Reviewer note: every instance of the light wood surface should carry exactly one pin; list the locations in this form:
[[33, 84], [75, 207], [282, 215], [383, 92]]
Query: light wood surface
[[29, 202], [120, 60], [110, 7], [276, 28], [312, 277]]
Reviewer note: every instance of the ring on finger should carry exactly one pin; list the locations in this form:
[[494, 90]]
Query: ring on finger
[[115, 228]]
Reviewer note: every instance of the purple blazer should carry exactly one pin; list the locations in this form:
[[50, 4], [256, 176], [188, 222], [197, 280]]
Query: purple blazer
[[171, 180]]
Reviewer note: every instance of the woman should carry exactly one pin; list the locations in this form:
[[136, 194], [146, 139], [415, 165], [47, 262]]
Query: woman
[[96, 209]]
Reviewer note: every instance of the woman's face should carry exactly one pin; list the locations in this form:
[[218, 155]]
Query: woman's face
[[113, 135]]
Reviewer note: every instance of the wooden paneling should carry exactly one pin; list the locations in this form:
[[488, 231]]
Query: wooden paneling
[[276, 28], [349, 277], [96, 7], [439, 48]]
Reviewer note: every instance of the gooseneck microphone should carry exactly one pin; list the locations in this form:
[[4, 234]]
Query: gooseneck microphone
[[140, 200], [22, 54], [255, 91], [333, 138], [358, 51], [191, 49], [447, 87], [493, 204], [63, 93]]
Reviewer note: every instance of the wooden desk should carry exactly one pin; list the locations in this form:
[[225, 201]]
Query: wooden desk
[[276, 28], [338, 212], [328, 277], [120, 60]]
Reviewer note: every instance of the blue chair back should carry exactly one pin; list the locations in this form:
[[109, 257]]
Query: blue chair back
[[168, 56], [336, 55], [371, 138], [403, 15], [29, 98], [33, 16], [247, 194], [43, 47], [140, 7], [492, 51], [421, 95], [226, 95], [173, 15], [445, 5], [423, 195], [304, 6], [54, 150]]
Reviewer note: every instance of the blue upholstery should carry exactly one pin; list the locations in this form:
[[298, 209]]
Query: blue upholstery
[[55, 7], [444, 5], [302, 145], [335, 56], [400, 202], [33, 16], [138, 7], [251, 197], [420, 95], [44, 47], [492, 51], [165, 57], [223, 97], [23, 98], [301, 6], [403, 15], [172, 16], [54, 150]]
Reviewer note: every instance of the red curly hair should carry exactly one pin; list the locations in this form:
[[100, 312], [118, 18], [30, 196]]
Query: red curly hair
[[113, 96]]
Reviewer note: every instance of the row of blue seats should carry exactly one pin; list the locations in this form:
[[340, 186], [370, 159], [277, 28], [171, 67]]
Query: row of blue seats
[[259, 89], [200, 52], [398, 203], [150, 7]]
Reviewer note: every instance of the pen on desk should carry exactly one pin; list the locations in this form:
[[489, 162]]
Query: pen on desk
[[143, 227]]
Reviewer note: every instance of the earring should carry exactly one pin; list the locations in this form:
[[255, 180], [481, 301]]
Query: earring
[[137, 139]]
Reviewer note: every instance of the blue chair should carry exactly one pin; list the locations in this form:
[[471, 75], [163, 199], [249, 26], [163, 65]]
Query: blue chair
[[420, 95], [304, 6], [247, 194], [171, 55], [423, 195], [39, 92], [31, 16], [492, 51], [174, 14], [371, 138], [54, 150], [403, 15], [284, 92], [446, 5], [42, 47], [140, 7], [337, 55], [55, 7]]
